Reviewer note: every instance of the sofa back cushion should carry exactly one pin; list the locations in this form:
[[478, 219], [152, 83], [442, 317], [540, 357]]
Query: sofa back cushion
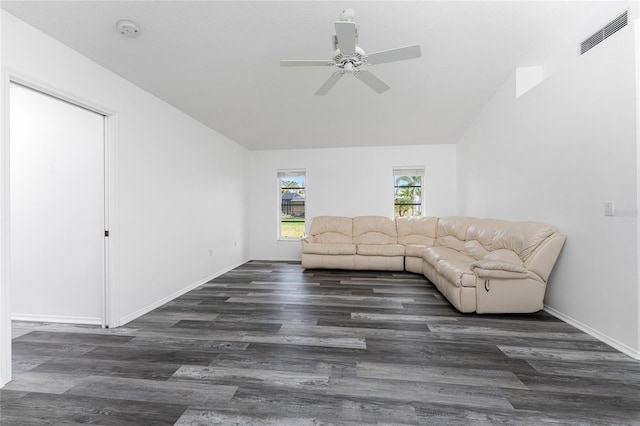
[[374, 230], [416, 230], [452, 231], [474, 249], [521, 238], [479, 238], [504, 255], [332, 229]]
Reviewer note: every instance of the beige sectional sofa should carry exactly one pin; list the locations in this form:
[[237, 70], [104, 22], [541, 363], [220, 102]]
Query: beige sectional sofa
[[479, 265], [365, 242], [416, 234]]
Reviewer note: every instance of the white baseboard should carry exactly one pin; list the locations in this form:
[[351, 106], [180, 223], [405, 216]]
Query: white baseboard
[[158, 303], [56, 318], [627, 350]]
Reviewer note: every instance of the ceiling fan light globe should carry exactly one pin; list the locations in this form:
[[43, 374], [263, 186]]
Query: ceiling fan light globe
[[348, 68]]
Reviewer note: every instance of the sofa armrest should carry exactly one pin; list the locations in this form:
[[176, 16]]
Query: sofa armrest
[[545, 256], [497, 269], [497, 265]]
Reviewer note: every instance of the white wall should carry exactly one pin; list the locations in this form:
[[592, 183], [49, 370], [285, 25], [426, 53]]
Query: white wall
[[179, 184], [343, 182], [555, 155]]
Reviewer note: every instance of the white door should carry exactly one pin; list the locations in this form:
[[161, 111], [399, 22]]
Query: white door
[[57, 209]]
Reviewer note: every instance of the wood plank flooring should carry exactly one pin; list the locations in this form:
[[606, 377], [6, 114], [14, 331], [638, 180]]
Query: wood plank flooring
[[269, 343]]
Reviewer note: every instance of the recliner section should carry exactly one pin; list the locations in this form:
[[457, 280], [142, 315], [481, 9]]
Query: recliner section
[[479, 265]]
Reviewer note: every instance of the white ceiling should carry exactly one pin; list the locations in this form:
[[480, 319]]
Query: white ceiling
[[218, 61]]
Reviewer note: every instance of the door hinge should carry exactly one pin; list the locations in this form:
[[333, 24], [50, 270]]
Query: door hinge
[[106, 232]]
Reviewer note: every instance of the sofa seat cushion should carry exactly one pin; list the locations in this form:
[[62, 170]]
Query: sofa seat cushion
[[380, 249], [323, 248], [457, 272], [414, 250]]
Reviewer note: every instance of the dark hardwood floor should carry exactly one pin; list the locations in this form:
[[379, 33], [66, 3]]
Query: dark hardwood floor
[[271, 344]]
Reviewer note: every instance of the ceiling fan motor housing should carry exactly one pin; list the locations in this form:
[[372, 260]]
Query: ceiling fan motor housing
[[357, 59]]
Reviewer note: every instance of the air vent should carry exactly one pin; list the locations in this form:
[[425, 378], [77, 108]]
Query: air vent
[[603, 33]]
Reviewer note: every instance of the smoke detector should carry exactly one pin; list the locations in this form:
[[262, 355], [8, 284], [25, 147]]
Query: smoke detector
[[128, 28]]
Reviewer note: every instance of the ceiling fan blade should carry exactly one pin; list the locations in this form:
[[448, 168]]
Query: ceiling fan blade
[[305, 63], [372, 81], [392, 55], [346, 33], [329, 83]]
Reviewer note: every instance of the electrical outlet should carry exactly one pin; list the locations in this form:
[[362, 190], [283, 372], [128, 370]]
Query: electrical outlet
[[609, 208]]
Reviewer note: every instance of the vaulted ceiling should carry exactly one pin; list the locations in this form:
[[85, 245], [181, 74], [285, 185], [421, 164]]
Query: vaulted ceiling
[[218, 61]]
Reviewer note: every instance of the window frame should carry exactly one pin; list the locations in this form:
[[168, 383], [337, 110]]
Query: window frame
[[409, 171], [282, 174]]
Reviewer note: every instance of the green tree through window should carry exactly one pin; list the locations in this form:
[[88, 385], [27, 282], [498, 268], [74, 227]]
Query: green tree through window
[[408, 192]]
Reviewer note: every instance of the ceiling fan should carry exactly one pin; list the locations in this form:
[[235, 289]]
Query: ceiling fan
[[349, 58]]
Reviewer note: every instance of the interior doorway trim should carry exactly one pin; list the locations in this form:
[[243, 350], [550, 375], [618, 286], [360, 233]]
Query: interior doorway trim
[[110, 311], [636, 29]]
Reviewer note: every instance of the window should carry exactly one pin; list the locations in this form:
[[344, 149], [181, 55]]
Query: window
[[407, 184], [291, 202]]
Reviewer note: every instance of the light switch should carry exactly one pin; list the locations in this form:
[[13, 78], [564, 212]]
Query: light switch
[[609, 208]]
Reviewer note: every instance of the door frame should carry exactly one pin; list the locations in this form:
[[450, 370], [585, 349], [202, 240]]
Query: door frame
[[110, 311], [636, 29]]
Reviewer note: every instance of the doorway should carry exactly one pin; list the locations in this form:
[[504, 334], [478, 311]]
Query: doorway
[[108, 315], [57, 209]]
